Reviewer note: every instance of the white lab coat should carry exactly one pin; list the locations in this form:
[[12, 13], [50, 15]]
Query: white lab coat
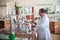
[[43, 32]]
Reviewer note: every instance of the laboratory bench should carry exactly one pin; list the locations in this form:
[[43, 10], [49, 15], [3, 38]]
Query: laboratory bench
[[54, 26], [20, 35], [6, 24]]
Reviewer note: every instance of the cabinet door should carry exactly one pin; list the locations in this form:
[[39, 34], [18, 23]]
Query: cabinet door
[[57, 27], [51, 26], [6, 24], [1, 24]]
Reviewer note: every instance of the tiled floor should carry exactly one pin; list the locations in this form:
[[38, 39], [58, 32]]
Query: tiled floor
[[55, 36]]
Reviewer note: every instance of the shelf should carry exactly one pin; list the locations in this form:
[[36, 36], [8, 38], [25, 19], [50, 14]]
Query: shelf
[[2, 5]]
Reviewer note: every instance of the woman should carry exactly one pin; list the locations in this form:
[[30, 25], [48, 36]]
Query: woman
[[43, 32]]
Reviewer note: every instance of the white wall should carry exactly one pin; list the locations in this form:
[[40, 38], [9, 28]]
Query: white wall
[[2, 12], [27, 2], [4, 2], [32, 1]]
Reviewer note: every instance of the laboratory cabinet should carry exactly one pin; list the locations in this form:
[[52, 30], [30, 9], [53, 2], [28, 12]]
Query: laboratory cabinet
[[4, 24], [54, 27]]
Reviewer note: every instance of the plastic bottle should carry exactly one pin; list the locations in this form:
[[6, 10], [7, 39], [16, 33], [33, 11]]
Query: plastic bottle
[[12, 36]]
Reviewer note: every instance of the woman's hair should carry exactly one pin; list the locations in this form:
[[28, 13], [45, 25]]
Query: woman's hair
[[42, 10], [46, 10]]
